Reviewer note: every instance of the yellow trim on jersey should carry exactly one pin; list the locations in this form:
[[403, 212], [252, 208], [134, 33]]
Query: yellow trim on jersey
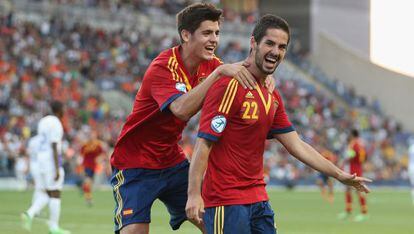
[[120, 178], [228, 97], [267, 104], [172, 66], [187, 83], [214, 56]]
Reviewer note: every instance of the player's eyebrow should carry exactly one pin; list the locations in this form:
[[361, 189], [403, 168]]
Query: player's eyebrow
[[210, 31]]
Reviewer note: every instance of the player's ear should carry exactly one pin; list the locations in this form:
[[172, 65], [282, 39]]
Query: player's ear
[[185, 35], [253, 44]]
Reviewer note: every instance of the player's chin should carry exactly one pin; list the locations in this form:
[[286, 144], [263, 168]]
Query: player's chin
[[208, 56]]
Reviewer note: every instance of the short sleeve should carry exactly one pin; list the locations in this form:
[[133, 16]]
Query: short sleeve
[[218, 107], [281, 123], [55, 133], [166, 85]]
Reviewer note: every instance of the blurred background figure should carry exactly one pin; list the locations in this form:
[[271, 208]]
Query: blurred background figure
[[93, 155], [411, 165], [40, 198], [325, 183], [355, 156]]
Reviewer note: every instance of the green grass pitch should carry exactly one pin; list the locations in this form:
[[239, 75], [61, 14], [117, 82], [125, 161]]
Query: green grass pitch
[[297, 212]]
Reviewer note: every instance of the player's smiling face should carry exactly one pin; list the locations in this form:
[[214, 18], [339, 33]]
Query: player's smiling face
[[203, 42], [271, 50]]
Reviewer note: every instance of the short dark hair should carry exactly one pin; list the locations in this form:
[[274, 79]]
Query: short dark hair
[[355, 133], [192, 16], [57, 107], [269, 21]]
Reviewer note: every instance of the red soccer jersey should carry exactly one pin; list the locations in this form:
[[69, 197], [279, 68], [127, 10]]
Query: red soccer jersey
[[90, 151], [238, 121], [355, 163], [150, 136]]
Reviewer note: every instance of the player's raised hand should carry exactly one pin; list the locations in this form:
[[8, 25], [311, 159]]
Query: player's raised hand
[[355, 181], [240, 73], [195, 208]]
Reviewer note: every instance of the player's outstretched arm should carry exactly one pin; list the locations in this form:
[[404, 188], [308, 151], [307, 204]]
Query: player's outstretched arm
[[195, 205], [190, 103], [308, 155]]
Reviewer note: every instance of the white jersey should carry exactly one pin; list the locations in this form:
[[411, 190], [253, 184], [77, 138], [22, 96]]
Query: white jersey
[[411, 158], [49, 130], [33, 148]]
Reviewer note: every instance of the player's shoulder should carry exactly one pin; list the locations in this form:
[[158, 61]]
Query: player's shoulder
[[45, 120], [276, 95], [49, 121], [215, 61], [211, 64], [225, 81], [226, 87], [165, 58]]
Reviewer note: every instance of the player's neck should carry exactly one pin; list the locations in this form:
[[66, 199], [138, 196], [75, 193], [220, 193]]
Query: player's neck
[[191, 62], [258, 75]]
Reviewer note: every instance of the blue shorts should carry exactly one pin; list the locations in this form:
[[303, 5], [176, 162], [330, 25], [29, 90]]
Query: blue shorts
[[241, 219], [324, 178], [89, 172], [135, 190]]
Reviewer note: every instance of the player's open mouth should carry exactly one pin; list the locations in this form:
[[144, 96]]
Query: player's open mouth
[[271, 59], [210, 48]]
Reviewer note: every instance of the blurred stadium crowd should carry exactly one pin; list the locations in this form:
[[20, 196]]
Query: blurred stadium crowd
[[160, 7], [76, 63]]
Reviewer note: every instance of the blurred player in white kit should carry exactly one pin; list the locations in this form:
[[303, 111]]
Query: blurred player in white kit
[[50, 171]]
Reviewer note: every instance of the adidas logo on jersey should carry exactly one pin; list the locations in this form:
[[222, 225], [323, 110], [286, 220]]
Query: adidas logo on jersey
[[249, 95]]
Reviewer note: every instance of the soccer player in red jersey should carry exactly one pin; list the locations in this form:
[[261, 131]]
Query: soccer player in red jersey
[[233, 128], [148, 163], [91, 151], [324, 182], [354, 159]]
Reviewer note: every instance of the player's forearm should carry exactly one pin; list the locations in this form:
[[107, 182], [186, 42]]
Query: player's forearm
[[55, 155], [315, 160], [308, 155], [190, 103], [198, 166]]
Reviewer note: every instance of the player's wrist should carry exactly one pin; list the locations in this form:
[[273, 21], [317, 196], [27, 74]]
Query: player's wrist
[[340, 175], [194, 192], [218, 71]]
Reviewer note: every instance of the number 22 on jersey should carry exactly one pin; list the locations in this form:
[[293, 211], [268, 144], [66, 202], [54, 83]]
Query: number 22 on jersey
[[250, 110]]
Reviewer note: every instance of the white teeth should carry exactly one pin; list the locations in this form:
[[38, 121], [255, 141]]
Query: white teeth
[[272, 60]]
